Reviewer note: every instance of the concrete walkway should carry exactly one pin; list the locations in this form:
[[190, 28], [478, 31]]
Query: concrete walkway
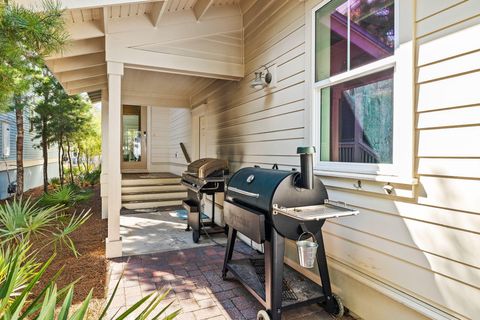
[[149, 231], [197, 287]]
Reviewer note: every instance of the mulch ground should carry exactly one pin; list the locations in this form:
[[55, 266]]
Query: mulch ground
[[90, 268]]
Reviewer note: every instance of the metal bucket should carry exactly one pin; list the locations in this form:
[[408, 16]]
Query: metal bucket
[[307, 251]]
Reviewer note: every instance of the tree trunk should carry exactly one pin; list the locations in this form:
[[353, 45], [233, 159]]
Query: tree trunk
[[59, 164], [45, 154], [70, 161], [20, 138], [62, 154], [87, 162]]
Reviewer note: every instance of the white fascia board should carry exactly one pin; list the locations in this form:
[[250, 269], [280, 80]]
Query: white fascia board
[[80, 4]]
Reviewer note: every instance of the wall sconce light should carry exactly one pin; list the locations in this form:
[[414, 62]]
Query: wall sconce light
[[261, 80]]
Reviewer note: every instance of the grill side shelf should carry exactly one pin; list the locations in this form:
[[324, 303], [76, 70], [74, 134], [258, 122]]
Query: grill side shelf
[[331, 209]]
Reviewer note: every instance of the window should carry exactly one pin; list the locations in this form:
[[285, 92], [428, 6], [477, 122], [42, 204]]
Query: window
[[355, 74]]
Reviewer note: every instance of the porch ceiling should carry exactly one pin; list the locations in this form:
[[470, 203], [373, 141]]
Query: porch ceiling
[[143, 87], [196, 38]]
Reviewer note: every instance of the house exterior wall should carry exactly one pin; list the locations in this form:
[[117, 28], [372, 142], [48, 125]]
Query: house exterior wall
[[32, 155], [33, 176], [411, 257], [169, 127]]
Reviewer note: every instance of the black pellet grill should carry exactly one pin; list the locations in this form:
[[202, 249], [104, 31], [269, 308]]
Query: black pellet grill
[[267, 206], [205, 176]]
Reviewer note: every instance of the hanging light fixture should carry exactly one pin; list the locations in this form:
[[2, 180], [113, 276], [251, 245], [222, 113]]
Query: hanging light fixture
[[261, 80]]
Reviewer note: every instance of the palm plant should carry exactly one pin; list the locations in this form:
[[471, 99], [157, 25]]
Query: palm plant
[[19, 275], [66, 196], [20, 219], [93, 177]]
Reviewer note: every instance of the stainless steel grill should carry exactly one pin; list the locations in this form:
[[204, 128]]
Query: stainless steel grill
[[205, 176]]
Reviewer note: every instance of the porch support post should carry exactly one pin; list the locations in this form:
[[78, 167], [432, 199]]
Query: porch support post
[[104, 175], [114, 241]]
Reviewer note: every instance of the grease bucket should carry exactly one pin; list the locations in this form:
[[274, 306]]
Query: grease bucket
[[307, 251]]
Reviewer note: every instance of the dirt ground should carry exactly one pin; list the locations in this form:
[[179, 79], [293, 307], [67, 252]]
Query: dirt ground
[[90, 268]]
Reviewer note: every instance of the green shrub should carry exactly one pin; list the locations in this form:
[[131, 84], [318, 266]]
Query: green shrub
[[55, 183], [92, 177], [20, 274], [66, 196], [20, 219]]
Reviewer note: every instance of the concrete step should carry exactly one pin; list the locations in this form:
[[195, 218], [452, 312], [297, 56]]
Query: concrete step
[[150, 182], [154, 196], [151, 204], [160, 188]]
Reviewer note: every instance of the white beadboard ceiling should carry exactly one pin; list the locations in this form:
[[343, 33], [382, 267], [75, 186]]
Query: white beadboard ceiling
[[82, 68]]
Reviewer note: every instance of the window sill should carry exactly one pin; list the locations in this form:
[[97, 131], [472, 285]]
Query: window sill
[[394, 186], [368, 177]]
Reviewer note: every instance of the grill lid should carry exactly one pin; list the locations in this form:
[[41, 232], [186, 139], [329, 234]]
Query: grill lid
[[255, 187], [205, 167]]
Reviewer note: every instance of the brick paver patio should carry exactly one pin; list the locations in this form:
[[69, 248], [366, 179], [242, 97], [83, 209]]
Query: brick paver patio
[[197, 286]]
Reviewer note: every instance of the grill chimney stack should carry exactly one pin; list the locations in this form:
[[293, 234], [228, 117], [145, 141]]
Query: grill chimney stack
[[306, 167]]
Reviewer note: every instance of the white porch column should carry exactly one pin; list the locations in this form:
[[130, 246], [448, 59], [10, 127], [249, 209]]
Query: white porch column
[[104, 175], [114, 241]]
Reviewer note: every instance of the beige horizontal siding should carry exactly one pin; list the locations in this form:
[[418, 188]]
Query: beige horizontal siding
[[424, 246], [169, 127], [160, 135], [181, 132], [448, 155]]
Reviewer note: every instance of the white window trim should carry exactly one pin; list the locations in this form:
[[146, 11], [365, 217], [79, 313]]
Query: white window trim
[[403, 96]]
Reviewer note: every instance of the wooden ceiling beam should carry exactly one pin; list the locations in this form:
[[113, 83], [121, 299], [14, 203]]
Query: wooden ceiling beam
[[85, 83], [87, 89], [201, 7], [84, 30], [80, 47], [177, 64], [81, 74], [144, 99], [158, 9], [105, 18], [75, 63]]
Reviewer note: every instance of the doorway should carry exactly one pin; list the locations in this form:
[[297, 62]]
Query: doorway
[[134, 138], [202, 136]]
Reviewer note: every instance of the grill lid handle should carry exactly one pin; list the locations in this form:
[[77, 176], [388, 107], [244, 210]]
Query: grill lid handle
[[243, 192]]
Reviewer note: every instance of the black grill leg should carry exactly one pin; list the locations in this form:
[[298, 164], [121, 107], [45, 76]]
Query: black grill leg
[[324, 276], [274, 254], [232, 236]]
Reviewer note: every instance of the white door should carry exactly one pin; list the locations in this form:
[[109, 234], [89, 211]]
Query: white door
[[202, 134], [134, 138]]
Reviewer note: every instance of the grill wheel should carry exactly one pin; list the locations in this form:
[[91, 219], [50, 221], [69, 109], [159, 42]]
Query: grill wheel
[[196, 235], [339, 308], [263, 315]]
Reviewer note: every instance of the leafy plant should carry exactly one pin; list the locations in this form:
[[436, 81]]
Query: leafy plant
[[55, 182], [65, 196], [19, 275], [93, 177], [20, 219]]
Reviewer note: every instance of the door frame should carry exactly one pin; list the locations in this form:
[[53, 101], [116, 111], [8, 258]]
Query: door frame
[[141, 165], [197, 112]]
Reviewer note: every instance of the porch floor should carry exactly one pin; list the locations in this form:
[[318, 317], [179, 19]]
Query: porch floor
[[150, 231], [197, 287]]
